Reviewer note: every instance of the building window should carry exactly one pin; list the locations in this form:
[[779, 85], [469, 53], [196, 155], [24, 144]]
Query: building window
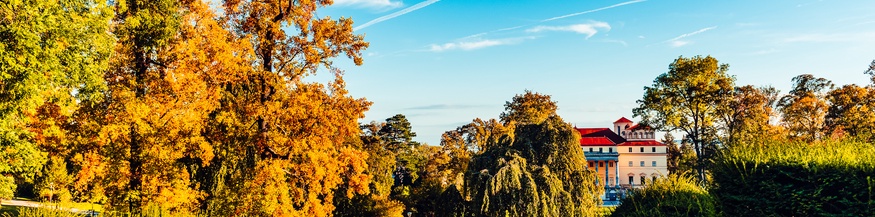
[[643, 179], [611, 164], [630, 150], [590, 164], [601, 164], [642, 163], [630, 163], [642, 149], [618, 128], [590, 149], [631, 180], [653, 149], [610, 150], [600, 150], [653, 178], [654, 163]]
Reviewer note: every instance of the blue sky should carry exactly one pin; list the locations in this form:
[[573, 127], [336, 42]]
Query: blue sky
[[444, 63]]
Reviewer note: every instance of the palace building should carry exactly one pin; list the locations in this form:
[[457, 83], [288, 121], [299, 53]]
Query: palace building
[[625, 156]]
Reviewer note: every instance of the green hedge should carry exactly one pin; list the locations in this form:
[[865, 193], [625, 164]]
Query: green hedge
[[770, 178], [675, 195]]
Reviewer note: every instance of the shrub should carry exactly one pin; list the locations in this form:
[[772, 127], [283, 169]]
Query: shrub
[[770, 178], [675, 195]]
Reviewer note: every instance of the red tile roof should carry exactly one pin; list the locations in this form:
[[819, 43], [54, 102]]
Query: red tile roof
[[642, 143], [587, 131], [595, 141], [623, 120], [600, 132]]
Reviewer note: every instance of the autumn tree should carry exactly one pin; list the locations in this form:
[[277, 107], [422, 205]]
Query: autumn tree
[[166, 79], [747, 113], [460, 145], [851, 112], [381, 163], [528, 108], [804, 108], [688, 98], [53, 54], [390, 147], [534, 168], [280, 139]]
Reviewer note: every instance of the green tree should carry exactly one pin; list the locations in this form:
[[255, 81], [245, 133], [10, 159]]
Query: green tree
[[390, 147], [871, 71], [804, 109], [528, 108], [687, 160], [675, 195], [673, 151], [398, 134], [381, 163], [53, 54], [535, 168], [688, 98]]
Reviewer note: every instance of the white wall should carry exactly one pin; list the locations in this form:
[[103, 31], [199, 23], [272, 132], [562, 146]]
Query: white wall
[[636, 157]]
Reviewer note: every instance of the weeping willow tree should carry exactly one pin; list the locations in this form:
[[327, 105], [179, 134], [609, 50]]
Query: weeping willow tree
[[536, 168]]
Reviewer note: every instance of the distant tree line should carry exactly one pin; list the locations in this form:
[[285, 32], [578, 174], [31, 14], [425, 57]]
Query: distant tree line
[[698, 98]]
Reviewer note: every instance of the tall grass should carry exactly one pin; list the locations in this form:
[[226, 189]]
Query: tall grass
[[41, 212], [779, 178]]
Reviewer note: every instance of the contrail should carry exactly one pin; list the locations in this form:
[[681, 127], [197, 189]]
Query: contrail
[[691, 34], [396, 14], [593, 10]]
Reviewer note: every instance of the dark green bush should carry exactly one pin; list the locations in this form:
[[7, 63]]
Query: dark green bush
[[795, 179], [675, 195]]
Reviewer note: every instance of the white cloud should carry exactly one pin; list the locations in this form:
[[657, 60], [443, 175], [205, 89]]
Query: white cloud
[[588, 29], [395, 14], [381, 4], [475, 44]]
